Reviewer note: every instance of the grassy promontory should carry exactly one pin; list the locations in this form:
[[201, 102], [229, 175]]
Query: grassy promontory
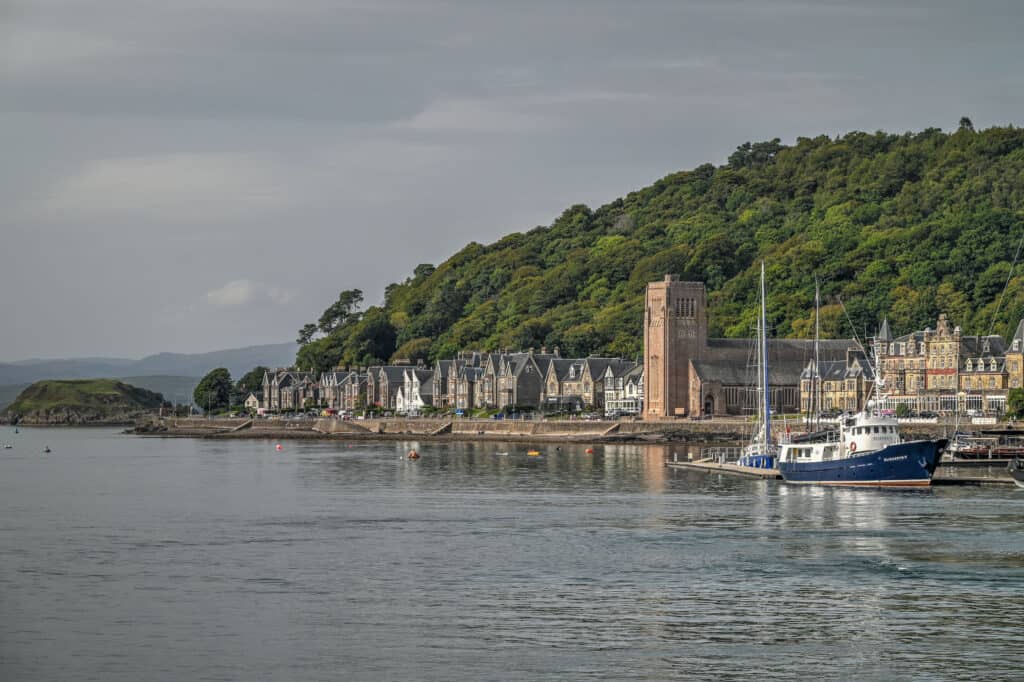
[[81, 401]]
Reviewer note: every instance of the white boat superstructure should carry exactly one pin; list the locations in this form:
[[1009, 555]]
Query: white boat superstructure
[[858, 435]]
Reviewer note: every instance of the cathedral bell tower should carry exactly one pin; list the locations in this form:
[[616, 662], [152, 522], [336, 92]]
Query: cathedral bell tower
[[675, 332]]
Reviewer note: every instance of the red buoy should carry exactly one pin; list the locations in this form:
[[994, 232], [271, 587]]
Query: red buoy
[[278, 447]]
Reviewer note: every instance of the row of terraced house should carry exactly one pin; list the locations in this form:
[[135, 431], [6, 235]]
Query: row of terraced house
[[524, 380]]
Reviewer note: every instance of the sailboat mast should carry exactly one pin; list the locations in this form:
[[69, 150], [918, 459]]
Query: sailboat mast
[[764, 364], [817, 361]]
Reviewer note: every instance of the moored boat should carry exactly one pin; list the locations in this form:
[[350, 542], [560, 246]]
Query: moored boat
[[760, 453], [866, 451], [1016, 468], [987, 447]]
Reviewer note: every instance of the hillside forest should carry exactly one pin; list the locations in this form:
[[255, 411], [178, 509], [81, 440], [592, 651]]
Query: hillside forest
[[905, 226]]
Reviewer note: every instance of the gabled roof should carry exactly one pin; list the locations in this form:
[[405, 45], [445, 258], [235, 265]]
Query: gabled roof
[[598, 366], [560, 367], [395, 374]]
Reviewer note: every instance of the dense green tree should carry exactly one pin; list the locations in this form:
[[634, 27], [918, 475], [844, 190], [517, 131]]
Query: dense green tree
[[903, 225], [251, 382], [1015, 403], [413, 350], [338, 312], [306, 334], [214, 390]]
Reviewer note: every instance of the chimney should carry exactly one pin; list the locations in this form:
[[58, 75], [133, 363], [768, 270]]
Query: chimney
[[556, 352]]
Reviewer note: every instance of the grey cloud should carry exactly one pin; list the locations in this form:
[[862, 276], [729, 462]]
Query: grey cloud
[[158, 152]]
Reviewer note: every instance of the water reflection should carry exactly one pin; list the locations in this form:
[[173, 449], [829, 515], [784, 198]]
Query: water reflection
[[137, 559]]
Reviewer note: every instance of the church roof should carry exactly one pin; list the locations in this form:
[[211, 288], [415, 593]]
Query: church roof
[[732, 361]]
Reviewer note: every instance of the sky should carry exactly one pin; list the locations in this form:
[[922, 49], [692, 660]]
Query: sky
[[188, 176]]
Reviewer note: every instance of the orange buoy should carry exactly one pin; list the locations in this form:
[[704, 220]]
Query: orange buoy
[[278, 447], [533, 453], [413, 454], [590, 451]]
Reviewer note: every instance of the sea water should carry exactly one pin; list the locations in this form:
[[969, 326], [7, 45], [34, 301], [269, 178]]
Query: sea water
[[127, 558]]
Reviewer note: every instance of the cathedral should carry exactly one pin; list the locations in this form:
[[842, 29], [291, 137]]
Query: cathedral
[[686, 374]]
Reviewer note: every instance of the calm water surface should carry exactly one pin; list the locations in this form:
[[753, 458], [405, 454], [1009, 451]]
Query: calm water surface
[[146, 559]]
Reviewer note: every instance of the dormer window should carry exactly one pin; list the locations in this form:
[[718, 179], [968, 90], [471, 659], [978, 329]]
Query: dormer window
[[970, 365], [992, 366]]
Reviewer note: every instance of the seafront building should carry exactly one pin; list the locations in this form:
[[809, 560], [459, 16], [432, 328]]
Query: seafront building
[[505, 380], [688, 374], [945, 370], [940, 370]]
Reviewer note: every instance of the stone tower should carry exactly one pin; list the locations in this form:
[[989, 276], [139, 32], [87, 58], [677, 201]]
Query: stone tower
[[675, 332]]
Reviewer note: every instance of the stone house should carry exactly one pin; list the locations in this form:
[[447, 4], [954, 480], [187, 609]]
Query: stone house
[[946, 370], [563, 384], [287, 390], [843, 385], [374, 386], [520, 379], [416, 392], [332, 388], [354, 391], [624, 389], [446, 377], [466, 384], [390, 379]]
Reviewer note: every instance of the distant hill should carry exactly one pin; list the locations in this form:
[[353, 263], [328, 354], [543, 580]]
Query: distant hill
[[898, 225], [237, 360], [173, 389], [81, 401]]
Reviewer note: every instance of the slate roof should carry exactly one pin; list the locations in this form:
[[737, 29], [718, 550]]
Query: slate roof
[[395, 374], [732, 361], [975, 345], [598, 366], [445, 367], [561, 366]]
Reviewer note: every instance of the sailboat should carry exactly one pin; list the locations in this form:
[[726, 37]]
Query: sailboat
[[761, 452], [866, 450]]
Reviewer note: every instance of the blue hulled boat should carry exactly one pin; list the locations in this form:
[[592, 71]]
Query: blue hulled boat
[[867, 451]]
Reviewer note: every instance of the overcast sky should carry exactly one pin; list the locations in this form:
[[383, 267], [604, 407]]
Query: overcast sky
[[188, 176]]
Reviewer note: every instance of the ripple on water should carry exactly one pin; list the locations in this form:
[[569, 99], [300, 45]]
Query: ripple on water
[[224, 561]]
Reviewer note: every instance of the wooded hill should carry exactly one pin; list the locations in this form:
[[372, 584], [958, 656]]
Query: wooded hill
[[900, 225]]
